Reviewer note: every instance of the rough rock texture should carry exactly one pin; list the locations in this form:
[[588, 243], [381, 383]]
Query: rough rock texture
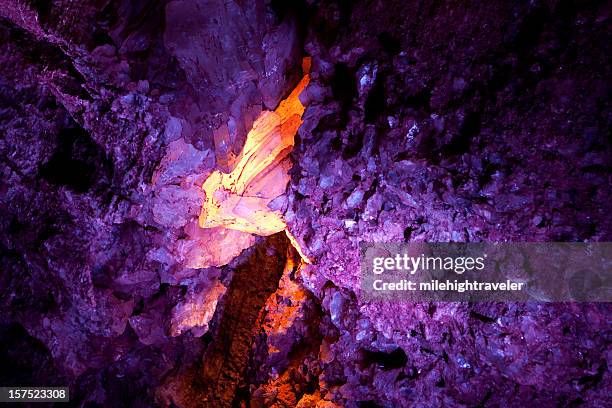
[[454, 122], [235, 56], [215, 381], [438, 121], [106, 126]]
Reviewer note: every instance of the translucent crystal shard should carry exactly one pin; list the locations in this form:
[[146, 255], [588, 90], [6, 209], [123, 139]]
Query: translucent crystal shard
[[239, 200]]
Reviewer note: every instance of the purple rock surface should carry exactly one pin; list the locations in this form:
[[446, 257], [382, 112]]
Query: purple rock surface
[[424, 121]]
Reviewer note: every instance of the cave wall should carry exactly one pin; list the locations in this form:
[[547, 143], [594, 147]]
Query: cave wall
[[454, 121]]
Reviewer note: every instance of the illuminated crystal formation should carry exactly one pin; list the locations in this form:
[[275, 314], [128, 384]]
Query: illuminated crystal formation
[[239, 200]]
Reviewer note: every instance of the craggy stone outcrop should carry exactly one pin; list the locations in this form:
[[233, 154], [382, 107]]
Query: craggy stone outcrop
[[453, 122]]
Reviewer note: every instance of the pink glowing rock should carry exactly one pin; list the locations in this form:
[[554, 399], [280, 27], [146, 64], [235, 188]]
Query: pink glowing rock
[[197, 310], [211, 247]]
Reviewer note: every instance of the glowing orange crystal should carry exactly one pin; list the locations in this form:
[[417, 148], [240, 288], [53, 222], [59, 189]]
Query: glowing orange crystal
[[239, 200]]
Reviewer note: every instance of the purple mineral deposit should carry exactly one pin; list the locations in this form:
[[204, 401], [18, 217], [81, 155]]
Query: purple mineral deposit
[[423, 122]]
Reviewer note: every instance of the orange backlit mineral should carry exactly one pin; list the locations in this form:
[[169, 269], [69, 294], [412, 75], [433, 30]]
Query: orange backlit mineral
[[239, 200]]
